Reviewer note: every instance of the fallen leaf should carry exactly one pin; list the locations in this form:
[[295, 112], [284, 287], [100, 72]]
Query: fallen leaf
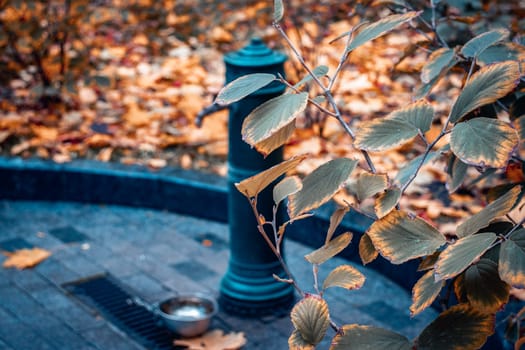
[[157, 163], [4, 134], [214, 340], [25, 258], [87, 95], [105, 154], [45, 133]]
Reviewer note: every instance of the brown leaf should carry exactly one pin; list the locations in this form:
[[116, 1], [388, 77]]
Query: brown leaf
[[105, 154], [157, 163], [4, 134], [25, 258], [137, 116], [45, 133], [214, 340]]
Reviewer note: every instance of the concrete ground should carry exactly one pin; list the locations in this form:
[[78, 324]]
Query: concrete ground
[[155, 255]]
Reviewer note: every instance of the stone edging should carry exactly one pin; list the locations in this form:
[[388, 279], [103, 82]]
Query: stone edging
[[169, 189]]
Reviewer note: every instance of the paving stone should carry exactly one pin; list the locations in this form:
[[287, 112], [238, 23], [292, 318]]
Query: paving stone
[[56, 272], [106, 337], [82, 266], [194, 270], [17, 243], [52, 298], [78, 318], [156, 269], [120, 266], [57, 333], [21, 337], [16, 301], [143, 285], [68, 234], [97, 252], [4, 346], [29, 280], [170, 254]]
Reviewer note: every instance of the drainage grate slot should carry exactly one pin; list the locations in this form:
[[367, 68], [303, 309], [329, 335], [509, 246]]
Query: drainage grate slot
[[106, 296]]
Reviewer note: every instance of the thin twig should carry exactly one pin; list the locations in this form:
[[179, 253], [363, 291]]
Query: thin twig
[[422, 162], [471, 69], [253, 204], [326, 92]]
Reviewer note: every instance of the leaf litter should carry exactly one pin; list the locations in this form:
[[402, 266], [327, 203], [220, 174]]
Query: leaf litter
[[159, 84]]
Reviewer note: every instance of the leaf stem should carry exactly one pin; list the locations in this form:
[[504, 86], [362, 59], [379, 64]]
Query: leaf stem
[[423, 159], [275, 250], [326, 92]]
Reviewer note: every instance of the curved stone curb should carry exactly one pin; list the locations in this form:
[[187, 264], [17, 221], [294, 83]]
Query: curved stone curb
[[182, 191], [170, 189]]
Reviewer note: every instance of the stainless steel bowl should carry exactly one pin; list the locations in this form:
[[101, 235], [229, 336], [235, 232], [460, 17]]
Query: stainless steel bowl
[[187, 315]]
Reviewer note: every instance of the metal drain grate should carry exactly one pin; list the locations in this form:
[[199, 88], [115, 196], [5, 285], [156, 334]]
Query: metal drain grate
[[105, 295]]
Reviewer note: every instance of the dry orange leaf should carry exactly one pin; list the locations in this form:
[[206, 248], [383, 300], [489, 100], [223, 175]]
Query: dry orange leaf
[[214, 340], [25, 258]]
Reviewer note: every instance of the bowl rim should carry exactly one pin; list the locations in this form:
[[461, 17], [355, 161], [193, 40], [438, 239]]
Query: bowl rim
[[189, 296]]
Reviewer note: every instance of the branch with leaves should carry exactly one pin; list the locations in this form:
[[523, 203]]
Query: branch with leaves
[[487, 248]]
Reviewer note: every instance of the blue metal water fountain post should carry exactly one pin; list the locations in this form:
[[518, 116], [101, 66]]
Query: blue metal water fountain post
[[248, 287]]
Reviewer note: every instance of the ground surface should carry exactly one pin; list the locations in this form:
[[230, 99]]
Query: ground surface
[[155, 254]]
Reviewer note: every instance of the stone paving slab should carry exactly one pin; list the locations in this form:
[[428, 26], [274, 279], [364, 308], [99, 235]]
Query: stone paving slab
[[153, 253]]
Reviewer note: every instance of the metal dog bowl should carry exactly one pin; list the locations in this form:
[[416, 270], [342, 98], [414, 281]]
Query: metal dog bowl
[[187, 315]]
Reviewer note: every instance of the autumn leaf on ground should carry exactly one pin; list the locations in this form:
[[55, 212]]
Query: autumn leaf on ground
[[214, 340], [25, 258]]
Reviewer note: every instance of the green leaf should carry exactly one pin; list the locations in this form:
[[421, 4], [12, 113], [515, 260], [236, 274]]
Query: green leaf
[[425, 89], [461, 327], [502, 52], [512, 259], [344, 276], [483, 287], [457, 171], [383, 133], [242, 87], [287, 186], [278, 10], [487, 85], [252, 186], [495, 209], [276, 140], [419, 114], [310, 318], [356, 337], [368, 185], [330, 249], [437, 62], [272, 116], [387, 201], [424, 293], [478, 44], [371, 31], [399, 237], [405, 172], [320, 185], [367, 251], [296, 342], [319, 71], [335, 220], [458, 256], [483, 142]]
